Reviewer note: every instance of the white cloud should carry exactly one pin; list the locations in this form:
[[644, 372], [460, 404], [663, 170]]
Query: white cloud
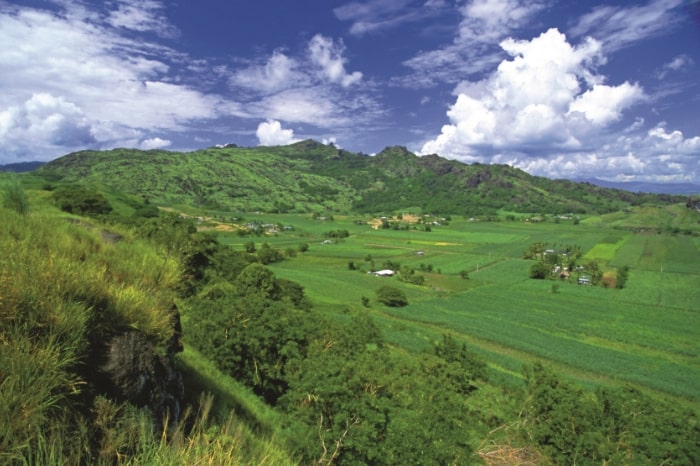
[[491, 20], [330, 140], [328, 55], [278, 73], [655, 155], [43, 122], [313, 88], [546, 111], [484, 23], [678, 63], [604, 104], [527, 100], [116, 84], [154, 143], [378, 15], [299, 106], [270, 133], [142, 15], [617, 27]]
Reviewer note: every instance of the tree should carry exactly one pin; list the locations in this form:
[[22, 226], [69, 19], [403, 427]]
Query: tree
[[249, 247], [256, 279], [80, 200], [391, 296], [539, 270], [622, 275], [268, 255]]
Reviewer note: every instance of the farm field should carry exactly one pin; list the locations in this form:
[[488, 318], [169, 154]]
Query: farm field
[[646, 334]]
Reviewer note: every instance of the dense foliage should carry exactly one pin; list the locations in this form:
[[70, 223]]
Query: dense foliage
[[309, 176], [620, 426]]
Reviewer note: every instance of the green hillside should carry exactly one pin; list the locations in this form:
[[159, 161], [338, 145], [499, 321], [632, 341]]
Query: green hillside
[[309, 176]]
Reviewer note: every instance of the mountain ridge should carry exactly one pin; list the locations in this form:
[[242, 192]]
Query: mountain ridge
[[646, 187], [308, 175]]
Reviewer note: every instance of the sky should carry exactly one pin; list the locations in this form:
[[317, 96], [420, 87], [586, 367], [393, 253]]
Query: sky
[[563, 89]]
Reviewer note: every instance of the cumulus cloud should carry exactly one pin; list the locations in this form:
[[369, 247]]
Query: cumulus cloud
[[545, 110], [270, 133], [656, 155], [43, 123], [328, 56], [154, 143]]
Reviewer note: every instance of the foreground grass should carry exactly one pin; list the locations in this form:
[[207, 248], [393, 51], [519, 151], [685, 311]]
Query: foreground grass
[[65, 283]]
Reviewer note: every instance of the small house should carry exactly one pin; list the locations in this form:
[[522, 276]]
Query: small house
[[584, 280]]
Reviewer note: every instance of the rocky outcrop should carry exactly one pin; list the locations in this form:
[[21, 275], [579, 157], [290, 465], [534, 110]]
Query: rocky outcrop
[[134, 372]]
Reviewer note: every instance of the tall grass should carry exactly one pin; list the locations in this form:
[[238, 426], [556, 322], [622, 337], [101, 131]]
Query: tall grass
[[14, 197], [65, 284]]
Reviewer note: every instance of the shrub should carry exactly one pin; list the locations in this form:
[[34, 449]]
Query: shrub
[[15, 198], [539, 270], [81, 201], [391, 296], [622, 275]]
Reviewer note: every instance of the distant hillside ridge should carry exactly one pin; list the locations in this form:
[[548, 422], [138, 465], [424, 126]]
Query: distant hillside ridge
[[21, 167], [647, 187], [309, 176]]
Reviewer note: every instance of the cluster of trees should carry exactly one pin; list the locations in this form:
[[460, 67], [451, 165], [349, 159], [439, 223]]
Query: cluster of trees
[[562, 262], [81, 200], [337, 234], [605, 426]]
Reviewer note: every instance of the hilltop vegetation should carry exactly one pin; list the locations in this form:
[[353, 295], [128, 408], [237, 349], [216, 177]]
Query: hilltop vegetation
[[309, 176]]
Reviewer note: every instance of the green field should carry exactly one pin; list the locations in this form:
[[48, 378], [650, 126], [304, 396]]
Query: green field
[[645, 334]]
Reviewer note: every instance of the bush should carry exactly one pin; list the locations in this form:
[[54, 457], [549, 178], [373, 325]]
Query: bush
[[15, 198], [391, 296], [622, 275], [81, 201], [539, 270]]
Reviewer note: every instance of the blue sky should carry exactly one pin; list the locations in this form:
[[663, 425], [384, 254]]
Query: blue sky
[[563, 89]]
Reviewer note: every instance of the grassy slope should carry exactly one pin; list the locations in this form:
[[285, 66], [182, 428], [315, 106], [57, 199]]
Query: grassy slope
[[62, 284]]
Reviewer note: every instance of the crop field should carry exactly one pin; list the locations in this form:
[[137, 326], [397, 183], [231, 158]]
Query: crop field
[[646, 334]]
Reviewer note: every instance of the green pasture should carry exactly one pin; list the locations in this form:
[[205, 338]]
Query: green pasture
[[645, 334], [654, 252]]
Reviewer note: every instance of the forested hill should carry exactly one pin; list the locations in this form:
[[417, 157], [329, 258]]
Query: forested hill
[[309, 175]]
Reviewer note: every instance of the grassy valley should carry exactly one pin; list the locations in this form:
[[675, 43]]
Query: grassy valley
[[237, 286]]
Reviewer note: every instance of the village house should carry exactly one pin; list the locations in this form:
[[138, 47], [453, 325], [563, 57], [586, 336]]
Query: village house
[[382, 273]]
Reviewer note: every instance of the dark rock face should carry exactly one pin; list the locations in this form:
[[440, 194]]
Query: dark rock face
[[136, 373]]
